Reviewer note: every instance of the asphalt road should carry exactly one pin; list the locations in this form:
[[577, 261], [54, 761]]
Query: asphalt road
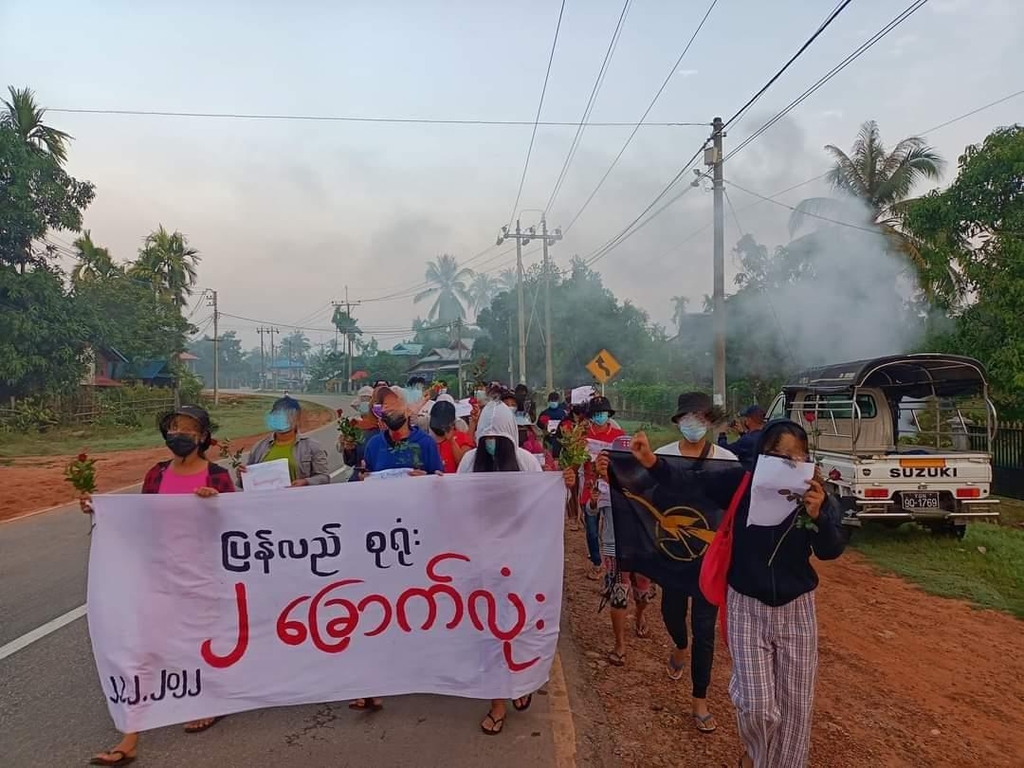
[[53, 712]]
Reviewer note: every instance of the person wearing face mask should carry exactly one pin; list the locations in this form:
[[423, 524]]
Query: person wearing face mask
[[749, 425], [452, 443], [496, 451], [365, 422], [187, 435], [695, 417], [307, 460]]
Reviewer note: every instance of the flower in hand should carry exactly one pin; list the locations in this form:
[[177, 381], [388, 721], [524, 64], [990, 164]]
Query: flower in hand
[[81, 473]]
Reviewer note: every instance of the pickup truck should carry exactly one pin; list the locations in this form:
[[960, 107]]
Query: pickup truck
[[892, 439]]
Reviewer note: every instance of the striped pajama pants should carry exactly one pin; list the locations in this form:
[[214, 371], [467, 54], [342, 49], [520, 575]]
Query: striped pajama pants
[[774, 665]]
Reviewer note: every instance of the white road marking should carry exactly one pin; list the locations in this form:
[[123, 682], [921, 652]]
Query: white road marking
[[40, 632]]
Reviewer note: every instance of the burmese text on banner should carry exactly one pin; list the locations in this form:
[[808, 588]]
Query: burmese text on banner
[[204, 607]]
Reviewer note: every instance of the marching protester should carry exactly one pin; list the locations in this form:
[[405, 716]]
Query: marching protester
[[187, 433], [749, 425], [497, 451], [556, 414], [367, 423], [452, 443], [307, 459], [770, 607], [695, 416], [619, 585]]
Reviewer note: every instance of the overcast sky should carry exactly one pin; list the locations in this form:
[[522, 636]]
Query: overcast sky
[[287, 213]]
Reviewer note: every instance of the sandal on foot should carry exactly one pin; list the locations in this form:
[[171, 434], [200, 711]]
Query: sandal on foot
[[705, 724], [675, 672], [616, 659], [201, 725], [525, 705], [366, 705], [123, 758], [643, 631], [497, 725]]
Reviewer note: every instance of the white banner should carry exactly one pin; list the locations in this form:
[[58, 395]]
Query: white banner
[[204, 607]]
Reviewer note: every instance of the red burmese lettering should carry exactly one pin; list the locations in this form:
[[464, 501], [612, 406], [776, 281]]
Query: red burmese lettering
[[492, 614], [512, 664], [292, 631], [430, 595], [338, 628], [386, 608], [241, 642], [437, 560]]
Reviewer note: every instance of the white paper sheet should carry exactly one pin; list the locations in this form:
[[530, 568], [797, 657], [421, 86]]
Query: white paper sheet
[[268, 476], [388, 474], [463, 408], [553, 426], [581, 395], [776, 490]]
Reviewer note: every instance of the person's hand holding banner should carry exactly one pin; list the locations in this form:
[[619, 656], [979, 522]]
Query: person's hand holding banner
[[641, 449]]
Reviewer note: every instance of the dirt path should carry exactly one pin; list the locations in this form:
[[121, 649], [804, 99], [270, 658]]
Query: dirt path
[[905, 679], [37, 482]]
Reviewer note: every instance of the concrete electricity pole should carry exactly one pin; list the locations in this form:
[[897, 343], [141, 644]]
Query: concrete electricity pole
[[263, 363], [521, 238], [548, 240], [713, 157], [348, 334], [273, 370], [212, 301]]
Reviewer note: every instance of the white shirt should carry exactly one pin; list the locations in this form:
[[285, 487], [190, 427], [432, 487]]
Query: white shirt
[[716, 452]]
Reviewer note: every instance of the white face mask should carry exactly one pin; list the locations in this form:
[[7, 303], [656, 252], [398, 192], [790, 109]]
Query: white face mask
[[692, 428]]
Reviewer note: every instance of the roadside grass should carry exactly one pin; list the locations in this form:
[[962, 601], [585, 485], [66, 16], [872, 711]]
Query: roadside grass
[[657, 434], [235, 417], [1011, 511], [986, 568]]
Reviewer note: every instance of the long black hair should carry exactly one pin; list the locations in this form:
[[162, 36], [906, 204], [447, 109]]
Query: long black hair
[[773, 433], [503, 460]]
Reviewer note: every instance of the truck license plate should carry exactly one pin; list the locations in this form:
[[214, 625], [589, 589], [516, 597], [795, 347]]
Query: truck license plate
[[914, 501]]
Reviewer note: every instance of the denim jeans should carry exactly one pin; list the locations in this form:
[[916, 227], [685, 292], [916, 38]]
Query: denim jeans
[[590, 520]]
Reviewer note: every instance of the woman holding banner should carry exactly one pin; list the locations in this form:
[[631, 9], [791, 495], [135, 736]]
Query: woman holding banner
[[498, 451], [187, 432]]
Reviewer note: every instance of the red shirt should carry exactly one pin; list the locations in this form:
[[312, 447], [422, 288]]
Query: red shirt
[[448, 456]]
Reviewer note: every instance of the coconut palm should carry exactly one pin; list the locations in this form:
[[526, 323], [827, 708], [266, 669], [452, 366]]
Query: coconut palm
[[25, 117], [679, 304], [93, 262], [447, 284], [880, 180], [482, 291], [167, 260], [508, 280]]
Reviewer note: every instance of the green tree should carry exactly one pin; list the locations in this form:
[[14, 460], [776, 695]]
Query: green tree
[[36, 195], [168, 262], [481, 290], [295, 346], [508, 280], [93, 262], [25, 117], [880, 180], [679, 304], [234, 366], [448, 288]]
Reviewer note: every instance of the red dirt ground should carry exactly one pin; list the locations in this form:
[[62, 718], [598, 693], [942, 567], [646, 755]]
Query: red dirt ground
[[34, 483], [905, 678]]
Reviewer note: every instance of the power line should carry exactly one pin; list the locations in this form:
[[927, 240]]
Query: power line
[[598, 82], [969, 114], [643, 117], [536, 121], [361, 119]]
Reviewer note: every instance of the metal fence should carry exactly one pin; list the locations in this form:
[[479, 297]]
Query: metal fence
[[1007, 458]]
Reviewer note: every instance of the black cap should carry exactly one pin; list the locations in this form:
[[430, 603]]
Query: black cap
[[600, 404], [753, 410], [698, 403], [442, 416], [286, 403], [193, 412]]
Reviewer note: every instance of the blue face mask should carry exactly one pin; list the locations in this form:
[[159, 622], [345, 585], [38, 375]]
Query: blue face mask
[[480, 395], [364, 408], [692, 429], [600, 418], [491, 445], [277, 421]]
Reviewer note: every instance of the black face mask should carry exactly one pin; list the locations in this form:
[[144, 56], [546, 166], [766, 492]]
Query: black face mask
[[393, 421], [181, 445], [439, 432]]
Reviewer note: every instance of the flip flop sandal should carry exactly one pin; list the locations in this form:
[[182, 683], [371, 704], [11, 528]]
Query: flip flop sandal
[[525, 704], [124, 759], [706, 724], [643, 631], [674, 672], [617, 659], [498, 725], [366, 705], [207, 724]]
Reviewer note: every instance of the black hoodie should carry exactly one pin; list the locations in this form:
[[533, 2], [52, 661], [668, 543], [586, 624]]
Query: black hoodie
[[791, 574]]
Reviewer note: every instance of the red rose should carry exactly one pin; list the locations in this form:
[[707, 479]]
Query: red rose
[[340, 412], [213, 442], [82, 457], [809, 417], [835, 474]]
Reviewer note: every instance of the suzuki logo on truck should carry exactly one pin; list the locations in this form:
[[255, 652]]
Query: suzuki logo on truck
[[923, 472]]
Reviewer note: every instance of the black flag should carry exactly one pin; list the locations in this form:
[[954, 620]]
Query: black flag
[[665, 518]]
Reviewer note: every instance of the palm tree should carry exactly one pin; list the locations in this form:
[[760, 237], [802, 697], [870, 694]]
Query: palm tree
[[93, 262], [679, 304], [25, 117], [482, 291], [882, 181], [167, 260], [447, 283], [508, 280]]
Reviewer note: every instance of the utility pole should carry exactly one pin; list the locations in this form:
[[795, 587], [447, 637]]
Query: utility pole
[[212, 301], [521, 239], [511, 373], [548, 240], [348, 333], [263, 362], [458, 340], [713, 157], [273, 370]]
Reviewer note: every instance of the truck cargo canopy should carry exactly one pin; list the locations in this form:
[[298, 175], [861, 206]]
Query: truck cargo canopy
[[905, 375]]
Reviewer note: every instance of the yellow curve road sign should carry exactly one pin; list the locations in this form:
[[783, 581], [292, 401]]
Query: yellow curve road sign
[[603, 367]]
